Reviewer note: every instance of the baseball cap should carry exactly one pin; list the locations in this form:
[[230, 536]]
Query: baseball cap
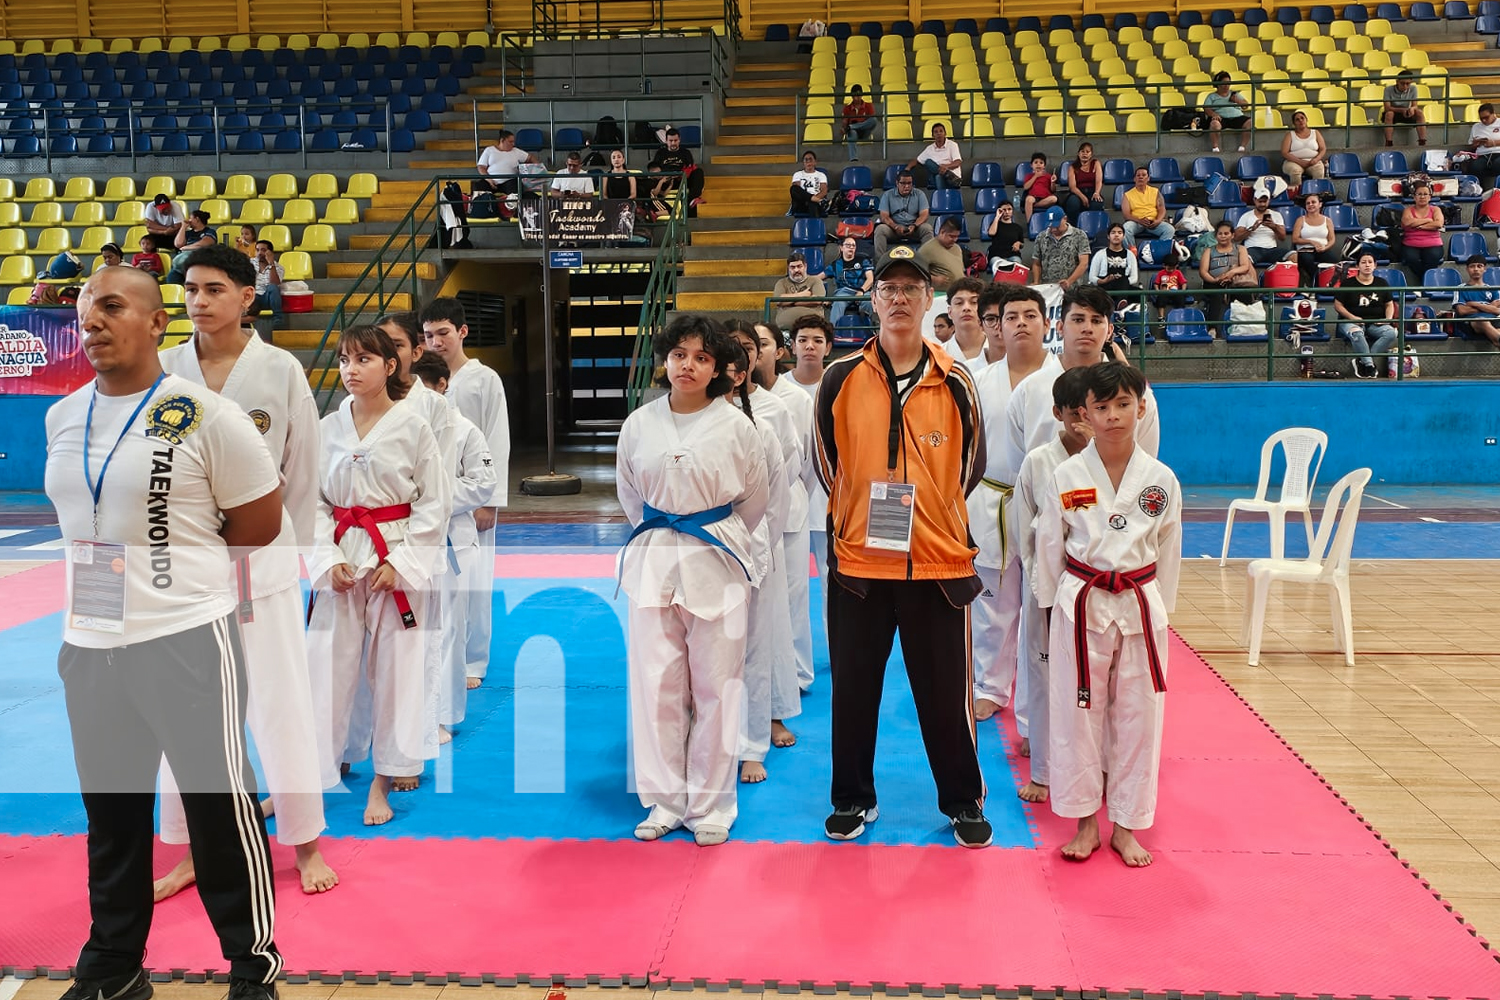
[[161, 199], [901, 255], [1054, 216]]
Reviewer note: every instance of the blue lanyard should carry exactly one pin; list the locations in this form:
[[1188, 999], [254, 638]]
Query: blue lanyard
[[97, 489]]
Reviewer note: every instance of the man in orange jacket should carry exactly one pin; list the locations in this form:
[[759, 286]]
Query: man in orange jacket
[[900, 444]]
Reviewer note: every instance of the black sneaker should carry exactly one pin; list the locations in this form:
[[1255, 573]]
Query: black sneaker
[[971, 829], [245, 989], [133, 987], [848, 822]]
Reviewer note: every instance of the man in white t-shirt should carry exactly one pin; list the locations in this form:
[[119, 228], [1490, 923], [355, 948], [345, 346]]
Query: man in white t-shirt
[[159, 485], [942, 159], [809, 188], [1484, 137], [500, 163], [164, 217], [573, 181], [1262, 230], [268, 278]]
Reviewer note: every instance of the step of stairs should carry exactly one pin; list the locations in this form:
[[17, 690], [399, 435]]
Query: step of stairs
[[425, 271]]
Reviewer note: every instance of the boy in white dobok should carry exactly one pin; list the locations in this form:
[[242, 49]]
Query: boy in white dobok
[[812, 339], [477, 392], [1070, 398], [1109, 546]]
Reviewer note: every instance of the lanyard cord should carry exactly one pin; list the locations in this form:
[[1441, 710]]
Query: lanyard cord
[[96, 489], [893, 437]]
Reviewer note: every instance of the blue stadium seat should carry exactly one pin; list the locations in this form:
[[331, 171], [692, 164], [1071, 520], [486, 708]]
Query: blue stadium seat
[[1157, 19], [23, 146], [1488, 8], [63, 145], [691, 136], [433, 103], [1251, 166], [1093, 222], [1220, 18], [1189, 18], [250, 141], [289, 141], [251, 58], [1415, 323], [1060, 22], [948, 201], [1320, 186], [1321, 14], [173, 142], [1119, 171], [814, 257], [415, 87], [1164, 169], [101, 145], [1254, 17], [1487, 25], [402, 141], [1457, 10], [933, 26], [1205, 167], [1288, 15], [1356, 12], [446, 85], [987, 174], [1463, 245], [365, 137], [531, 138], [778, 33], [871, 29], [1345, 166], [856, 178], [1125, 20], [1423, 11], [1035, 226], [840, 30], [905, 29], [1187, 326], [1226, 196], [568, 139], [1000, 24], [1174, 195], [179, 91], [379, 87], [324, 140], [236, 123], [986, 200], [347, 118], [1029, 24], [1345, 217], [417, 121], [969, 26], [1390, 163], [808, 233]]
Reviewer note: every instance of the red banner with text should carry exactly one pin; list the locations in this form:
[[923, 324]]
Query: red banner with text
[[40, 352]]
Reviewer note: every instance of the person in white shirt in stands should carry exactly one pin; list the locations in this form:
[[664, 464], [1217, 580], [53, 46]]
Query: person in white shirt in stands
[[268, 278], [809, 188], [1485, 138], [942, 159], [500, 163], [164, 217], [573, 180]]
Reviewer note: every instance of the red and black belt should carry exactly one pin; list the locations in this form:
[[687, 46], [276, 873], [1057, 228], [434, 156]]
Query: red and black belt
[[370, 519], [1112, 582]]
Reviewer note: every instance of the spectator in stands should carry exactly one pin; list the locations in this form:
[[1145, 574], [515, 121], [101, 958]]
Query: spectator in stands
[[150, 259], [943, 257], [268, 278], [1303, 151], [942, 327], [1085, 184], [852, 277], [1484, 139], [673, 159], [903, 215], [1039, 187], [1421, 232], [1401, 108], [859, 120], [572, 180], [809, 188], [796, 285], [1061, 255], [1227, 110], [1479, 301], [1313, 240], [500, 163], [1224, 264], [1262, 230], [1114, 267], [194, 234], [1007, 236], [1366, 307], [164, 217], [245, 241], [942, 159], [110, 255], [619, 182], [1145, 211]]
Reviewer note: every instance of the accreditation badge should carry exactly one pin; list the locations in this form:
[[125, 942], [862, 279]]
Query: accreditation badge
[[891, 508], [96, 602]]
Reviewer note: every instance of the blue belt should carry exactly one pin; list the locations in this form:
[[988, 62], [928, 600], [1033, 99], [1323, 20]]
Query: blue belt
[[695, 525]]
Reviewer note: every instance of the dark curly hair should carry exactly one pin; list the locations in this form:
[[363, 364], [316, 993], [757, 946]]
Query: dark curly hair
[[719, 345]]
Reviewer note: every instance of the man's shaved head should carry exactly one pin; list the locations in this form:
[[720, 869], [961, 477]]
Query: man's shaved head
[[130, 281]]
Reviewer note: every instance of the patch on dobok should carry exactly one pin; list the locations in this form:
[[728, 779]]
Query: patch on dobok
[[262, 420], [174, 418], [1153, 501], [1080, 499]]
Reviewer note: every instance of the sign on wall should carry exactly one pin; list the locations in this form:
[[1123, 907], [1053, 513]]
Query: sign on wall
[[578, 222], [40, 352]]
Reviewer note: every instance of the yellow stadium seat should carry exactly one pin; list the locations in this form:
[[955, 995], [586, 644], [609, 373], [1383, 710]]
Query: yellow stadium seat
[[1290, 97], [1436, 114], [449, 38], [389, 39], [1260, 64], [1078, 69], [1040, 73], [296, 212], [899, 129], [1322, 45], [39, 189], [857, 59], [1224, 64], [12, 241], [280, 187], [361, 186], [1139, 122], [959, 41], [892, 78], [1021, 39], [817, 132], [240, 186], [1375, 62], [1126, 36], [1003, 77], [18, 271], [1298, 62], [1068, 50], [1332, 95], [119, 45], [1268, 30], [1415, 59], [897, 104], [994, 40], [1108, 68], [1181, 68], [857, 43], [889, 43], [1317, 76], [1171, 99], [1130, 100], [1099, 123], [341, 212], [1283, 47], [823, 60], [1335, 61], [1174, 49], [87, 213], [1197, 78], [78, 189], [1212, 47], [297, 265], [50, 241], [1012, 104], [1103, 50], [1049, 103], [1315, 116], [979, 127], [966, 76], [1268, 118], [420, 39], [179, 43], [172, 297], [925, 40], [1358, 45], [10, 214], [120, 189], [35, 45], [199, 187], [962, 57], [928, 72], [128, 213], [279, 237], [858, 76], [44, 213], [329, 40], [1306, 29], [1199, 33], [1343, 29], [1060, 36], [87, 45], [1019, 127], [217, 208], [18, 296], [1150, 66], [1244, 48], [1164, 33], [1096, 36], [253, 212], [1136, 51], [146, 46], [160, 184], [7, 189], [95, 237], [209, 43], [133, 238], [238, 43], [301, 43], [1088, 100]]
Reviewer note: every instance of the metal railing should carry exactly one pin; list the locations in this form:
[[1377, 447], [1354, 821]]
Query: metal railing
[[554, 18], [660, 299], [518, 116], [517, 58]]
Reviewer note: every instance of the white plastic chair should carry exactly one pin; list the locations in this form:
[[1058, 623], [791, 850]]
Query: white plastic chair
[[1327, 565], [1300, 445]]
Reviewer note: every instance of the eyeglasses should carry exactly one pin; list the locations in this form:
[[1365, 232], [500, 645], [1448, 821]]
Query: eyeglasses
[[993, 319], [889, 292]]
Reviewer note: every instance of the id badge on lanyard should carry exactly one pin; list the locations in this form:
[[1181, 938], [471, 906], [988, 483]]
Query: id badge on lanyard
[[892, 504], [97, 600]]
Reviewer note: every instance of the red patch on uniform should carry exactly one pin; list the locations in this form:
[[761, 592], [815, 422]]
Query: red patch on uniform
[[1080, 499], [1153, 501]]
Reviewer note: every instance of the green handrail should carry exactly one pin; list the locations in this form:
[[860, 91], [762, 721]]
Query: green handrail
[[660, 298]]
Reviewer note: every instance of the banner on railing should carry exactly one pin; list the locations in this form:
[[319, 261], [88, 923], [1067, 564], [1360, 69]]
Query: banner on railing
[[40, 352], [577, 221]]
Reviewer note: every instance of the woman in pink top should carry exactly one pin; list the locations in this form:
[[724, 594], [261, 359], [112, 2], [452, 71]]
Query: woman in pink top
[[1421, 233]]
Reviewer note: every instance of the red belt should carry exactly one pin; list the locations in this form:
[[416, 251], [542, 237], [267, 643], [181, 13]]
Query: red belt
[[1114, 583], [370, 519]]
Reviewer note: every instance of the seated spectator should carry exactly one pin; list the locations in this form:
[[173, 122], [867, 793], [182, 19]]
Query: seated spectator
[[942, 160], [1061, 256], [942, 327], [1401, 108], [163, 217], [194, 234], [903, 215], [853, 276], [500, 163], [1145, 211], [1421, 232], [796, 285], [1313, 240], [150, 259], [1224, 264], [1007, 236], [942, 256], [809, 188], [859, 120], [1085, 184], [268, 278], [1262, 230], [672, 158], [1038, 187], [245, 241], [572, 180], [1114, 268], [110, 255], [1366, 307], [1484, 139], [1480, 302], [619, 182], [1227, 110], [1303, 151]]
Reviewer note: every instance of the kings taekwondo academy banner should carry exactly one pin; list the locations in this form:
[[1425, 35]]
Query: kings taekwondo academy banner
[[578, 222], [40, 353]]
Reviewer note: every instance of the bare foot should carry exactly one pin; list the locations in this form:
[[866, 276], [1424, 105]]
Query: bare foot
[[752, 772], [316, 875], [445, 735], [1085, 842], [473, 682], [1128, 848], [1025, 746], [174, 881], [378, 806], [781, 736], [345, 768], [984, 709], [406, 784], [1032, 792], [267, 808]]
